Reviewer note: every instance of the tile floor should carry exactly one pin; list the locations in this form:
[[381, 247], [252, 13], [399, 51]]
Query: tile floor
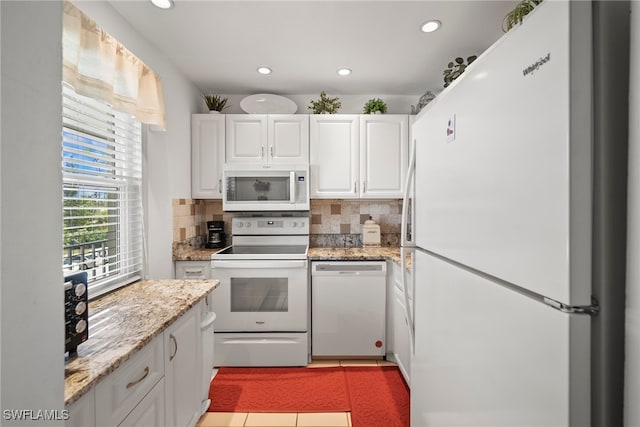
[[324, 419]]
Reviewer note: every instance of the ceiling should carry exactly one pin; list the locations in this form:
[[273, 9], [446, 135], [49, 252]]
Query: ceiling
[[220, 44]]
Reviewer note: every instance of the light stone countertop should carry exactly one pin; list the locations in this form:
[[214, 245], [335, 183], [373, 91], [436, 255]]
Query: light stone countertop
[[193, 254], [128, 319], [391, 253]]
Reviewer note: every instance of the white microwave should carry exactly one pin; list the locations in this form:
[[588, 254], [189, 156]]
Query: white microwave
[[276, 188]]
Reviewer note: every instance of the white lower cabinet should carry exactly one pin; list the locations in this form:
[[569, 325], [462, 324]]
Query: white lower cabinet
[[160, 385], [398, 322], [83, 412], [401, 344], [206, 331], [182, 369], [122, 390], [150, 411]]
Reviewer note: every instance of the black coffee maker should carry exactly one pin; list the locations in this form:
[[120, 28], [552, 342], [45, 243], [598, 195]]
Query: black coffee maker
[[216, 237]]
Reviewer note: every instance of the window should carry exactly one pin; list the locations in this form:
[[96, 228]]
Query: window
[[102, 192]]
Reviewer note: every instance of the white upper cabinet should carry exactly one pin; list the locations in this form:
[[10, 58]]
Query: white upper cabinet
[[246, 138], [207, 155], [334, 160], [267, 139], [383, 155], [288, 139], [358, 156]]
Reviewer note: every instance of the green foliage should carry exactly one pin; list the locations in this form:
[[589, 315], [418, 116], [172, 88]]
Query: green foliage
[[455, 69], [373, 105], [518, 13], [215, 102], [325, 105], [87, 218]]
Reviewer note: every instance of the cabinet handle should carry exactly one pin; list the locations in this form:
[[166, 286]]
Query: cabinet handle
[[220, 186], [262, 151], [355, 187], [271, 151], [146, 373], [206, 301], [175, 342], [364, 187]]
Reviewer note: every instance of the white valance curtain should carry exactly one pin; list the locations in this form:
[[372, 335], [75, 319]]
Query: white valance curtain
[[98, 66]]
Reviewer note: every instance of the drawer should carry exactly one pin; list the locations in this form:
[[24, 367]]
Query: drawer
[[186, 270], [123, 389]]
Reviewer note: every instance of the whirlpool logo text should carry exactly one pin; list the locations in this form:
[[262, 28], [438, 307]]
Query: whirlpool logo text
[[536, 65]]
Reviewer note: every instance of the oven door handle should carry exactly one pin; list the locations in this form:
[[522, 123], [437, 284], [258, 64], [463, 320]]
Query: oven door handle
[[248, 264], [292, 187]]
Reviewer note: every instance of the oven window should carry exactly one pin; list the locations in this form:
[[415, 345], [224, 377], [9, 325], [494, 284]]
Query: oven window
[[259, 295]]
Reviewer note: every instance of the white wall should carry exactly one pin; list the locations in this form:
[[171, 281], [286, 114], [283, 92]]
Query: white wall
[[351, 104], [167, 155], [32, 323], [632, 329]]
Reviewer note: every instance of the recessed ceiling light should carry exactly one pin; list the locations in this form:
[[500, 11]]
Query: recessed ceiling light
[[344, 71], [163, 4], [430, 26], [264, 70]]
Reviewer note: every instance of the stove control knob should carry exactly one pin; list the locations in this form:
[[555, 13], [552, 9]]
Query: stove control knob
[[80, 289], [81, 326], [240, 224], [294, 225], [248, 224]]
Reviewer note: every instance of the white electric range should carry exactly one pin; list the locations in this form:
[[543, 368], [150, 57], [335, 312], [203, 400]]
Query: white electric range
[[262, 303]]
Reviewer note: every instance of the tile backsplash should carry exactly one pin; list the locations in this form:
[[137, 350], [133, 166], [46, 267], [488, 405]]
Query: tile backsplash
[[334, 222], [338, 222], [190, 218]]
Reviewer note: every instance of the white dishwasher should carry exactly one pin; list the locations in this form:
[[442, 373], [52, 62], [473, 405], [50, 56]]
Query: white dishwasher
[[348, 308]]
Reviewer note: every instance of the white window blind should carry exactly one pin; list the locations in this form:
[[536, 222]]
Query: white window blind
[[102, 185]]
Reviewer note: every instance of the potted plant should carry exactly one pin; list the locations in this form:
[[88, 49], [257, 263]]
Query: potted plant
[[455, 69], [325, 105], [518, 13], [215, 103], [375, 106]]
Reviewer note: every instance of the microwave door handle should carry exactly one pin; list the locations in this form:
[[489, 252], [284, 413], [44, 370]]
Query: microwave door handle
[[292, 187]]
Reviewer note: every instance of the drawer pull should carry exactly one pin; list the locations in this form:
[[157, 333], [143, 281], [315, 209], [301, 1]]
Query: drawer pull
[[175, 342], [206, 301], [145, 375]]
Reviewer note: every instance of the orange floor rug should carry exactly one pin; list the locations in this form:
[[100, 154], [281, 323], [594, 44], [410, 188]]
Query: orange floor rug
[[379, 397], [279, 390], [375, 396]]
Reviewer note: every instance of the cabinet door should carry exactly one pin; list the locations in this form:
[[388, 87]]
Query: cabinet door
[[334, 156], [150, 411], [246, 138], [288, 139], [401, 344], [193, 270], [383, 155], [207, 155], [124, 389], [83, 412], [183, 366]]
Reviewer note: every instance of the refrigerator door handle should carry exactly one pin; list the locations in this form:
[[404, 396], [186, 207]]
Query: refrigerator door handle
[[405, 240], [408, 243], [590, 310]]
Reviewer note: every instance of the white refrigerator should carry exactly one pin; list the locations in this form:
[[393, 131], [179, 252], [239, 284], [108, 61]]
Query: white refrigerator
[[514, 231]]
